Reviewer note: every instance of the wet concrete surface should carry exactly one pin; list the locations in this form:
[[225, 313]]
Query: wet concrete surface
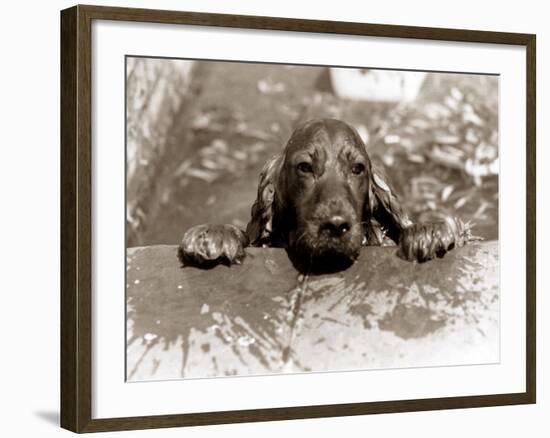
[[264, 317]]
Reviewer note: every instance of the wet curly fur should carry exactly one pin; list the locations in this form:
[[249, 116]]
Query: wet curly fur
[[322, 199]]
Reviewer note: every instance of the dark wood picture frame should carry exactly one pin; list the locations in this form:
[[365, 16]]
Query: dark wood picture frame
[[76, 214]]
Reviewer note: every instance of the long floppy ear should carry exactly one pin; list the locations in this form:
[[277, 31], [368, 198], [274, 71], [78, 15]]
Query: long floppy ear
[[384, 205], [260, 227]]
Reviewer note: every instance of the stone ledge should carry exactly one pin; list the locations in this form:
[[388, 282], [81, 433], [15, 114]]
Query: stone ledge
[[263, 317]]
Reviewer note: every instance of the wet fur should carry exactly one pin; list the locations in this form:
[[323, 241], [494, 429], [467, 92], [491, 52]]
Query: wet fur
[[292, 207]]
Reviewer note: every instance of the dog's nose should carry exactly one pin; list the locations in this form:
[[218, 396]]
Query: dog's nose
[[336, 226]]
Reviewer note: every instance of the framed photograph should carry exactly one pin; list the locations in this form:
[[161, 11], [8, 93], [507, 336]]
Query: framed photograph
[[269, 218]]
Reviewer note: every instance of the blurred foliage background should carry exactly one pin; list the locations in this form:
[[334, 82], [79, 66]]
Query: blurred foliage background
[[198, 134]]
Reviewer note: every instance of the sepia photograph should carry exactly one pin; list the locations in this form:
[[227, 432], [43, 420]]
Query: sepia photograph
[[268, 218], [295, 219], [271, 220]]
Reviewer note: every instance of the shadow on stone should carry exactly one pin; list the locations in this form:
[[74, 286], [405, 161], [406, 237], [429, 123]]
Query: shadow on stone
[[329, 264]]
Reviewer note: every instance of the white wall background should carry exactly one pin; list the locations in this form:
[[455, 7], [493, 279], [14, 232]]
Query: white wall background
[[29, 223]]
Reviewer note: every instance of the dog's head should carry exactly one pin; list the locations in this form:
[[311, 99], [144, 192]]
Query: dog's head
[[319, 196]]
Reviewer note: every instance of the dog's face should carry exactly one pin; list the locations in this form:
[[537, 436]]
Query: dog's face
[[322, 198], [322, 188]]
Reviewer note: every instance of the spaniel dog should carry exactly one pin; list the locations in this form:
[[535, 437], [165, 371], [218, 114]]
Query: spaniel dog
[[321, 199]]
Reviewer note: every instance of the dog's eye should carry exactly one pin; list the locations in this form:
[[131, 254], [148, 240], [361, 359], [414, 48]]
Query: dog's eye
[[305, 167], [358, 168]]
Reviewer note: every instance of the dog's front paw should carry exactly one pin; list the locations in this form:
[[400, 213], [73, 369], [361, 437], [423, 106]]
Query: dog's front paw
[[209, 245], [425, 241]]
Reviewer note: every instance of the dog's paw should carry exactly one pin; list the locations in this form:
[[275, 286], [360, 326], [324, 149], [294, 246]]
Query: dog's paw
[[208, 245], [425, 241]]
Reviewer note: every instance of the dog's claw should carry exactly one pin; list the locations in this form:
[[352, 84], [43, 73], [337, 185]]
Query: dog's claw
[[207, 245], [425, 241]]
